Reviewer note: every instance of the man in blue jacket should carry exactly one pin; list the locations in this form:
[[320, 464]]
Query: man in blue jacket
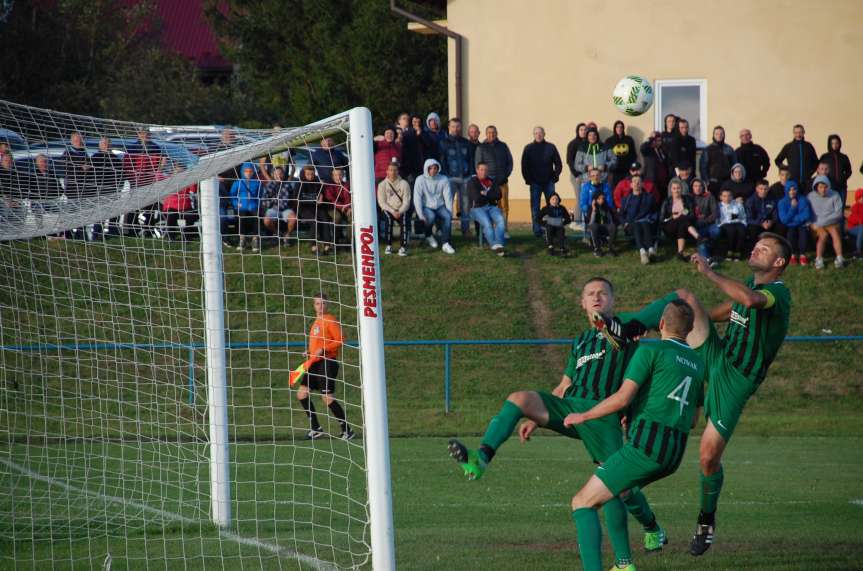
[[588, 189], [541, 167], [245, 197], [456, 165]]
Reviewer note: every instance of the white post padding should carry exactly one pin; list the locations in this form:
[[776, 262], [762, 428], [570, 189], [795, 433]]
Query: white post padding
[[217, 386], [371, 333]]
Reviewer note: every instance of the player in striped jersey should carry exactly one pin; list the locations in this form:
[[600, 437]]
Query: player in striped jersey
[[758, 314], [594, 371]]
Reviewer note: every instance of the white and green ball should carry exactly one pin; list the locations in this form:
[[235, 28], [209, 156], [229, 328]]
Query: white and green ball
[[633, 95]]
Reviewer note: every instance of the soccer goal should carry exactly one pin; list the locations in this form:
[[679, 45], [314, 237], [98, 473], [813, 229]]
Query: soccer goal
[[158, 286]]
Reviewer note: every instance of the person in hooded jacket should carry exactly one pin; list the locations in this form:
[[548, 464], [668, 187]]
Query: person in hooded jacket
[[670, 138], [799, 156], [854, 224], [840, 166], [432, 202], [737, 184], [706, 214], [431, 136], [245, 196], [753, 157], [572, 149], [554, 217], [594, 154], [683, 152], [716, 161], [828, 212], [795, 215], [593, 185], [413, 154], [622, 146], [602, 222]]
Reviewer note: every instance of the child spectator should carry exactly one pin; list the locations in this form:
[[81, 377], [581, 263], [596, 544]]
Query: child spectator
[[795, 214], [279, 205], [678, 217], [777, 189], [394, 199], [855, 223], [554, 217], [588, 189], [602, 223], [828, 212], [732, 224], [309, 196], [638, 213], [433, 204]]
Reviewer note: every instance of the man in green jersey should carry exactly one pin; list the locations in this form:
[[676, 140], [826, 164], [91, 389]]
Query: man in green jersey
[[594, 371], [758, 314], [663, 383]]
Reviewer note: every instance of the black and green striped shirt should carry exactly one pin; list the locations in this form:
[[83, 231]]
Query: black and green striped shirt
[[754, 335], [595, 368]]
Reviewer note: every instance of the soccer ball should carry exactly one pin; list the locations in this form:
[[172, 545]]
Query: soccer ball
[[633, 95]]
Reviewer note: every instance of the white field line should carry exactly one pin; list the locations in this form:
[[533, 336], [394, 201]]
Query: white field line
[[283, 552], [857, 502]]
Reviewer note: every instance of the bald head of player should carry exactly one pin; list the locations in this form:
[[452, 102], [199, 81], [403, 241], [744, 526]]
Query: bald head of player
[[598, 295], [677, 320], [770, 256]]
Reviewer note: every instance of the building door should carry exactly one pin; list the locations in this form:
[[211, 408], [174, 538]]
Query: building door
[[685, 98]]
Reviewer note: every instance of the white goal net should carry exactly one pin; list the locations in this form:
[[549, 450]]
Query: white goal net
[[157, 287]]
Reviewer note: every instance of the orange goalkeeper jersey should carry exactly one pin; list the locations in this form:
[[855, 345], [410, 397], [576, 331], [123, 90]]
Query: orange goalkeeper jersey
[[326, 334]]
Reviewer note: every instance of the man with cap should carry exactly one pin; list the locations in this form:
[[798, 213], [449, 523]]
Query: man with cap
[[624, 187]]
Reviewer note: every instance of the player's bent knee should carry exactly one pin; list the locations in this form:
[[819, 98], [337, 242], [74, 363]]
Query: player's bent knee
[[520, 398]]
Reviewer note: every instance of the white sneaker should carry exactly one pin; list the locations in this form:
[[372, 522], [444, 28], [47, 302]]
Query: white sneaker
[[819, 263], [403, 252], [448, 249], [651, 251], [256, 244], [431, 242], [315, 434], [496, 247], [240, 245], [839, 262], [388, 250], [645, 259]]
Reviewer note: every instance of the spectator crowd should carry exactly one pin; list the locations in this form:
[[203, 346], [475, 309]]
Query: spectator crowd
[[665, 194]]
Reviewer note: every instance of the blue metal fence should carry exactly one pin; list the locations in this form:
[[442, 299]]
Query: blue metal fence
[[446, 344]]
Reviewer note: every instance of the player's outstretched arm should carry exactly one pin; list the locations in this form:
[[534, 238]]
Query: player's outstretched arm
[[737, 291], [615, 403], [721, 312]]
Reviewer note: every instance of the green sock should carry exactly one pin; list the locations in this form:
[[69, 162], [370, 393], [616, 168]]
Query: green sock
[[710, 488], [499, 429], [637, 505], [650, 315], [589, 538], [616, 520]]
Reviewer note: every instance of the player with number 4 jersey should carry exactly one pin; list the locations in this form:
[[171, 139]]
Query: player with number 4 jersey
[[663, 385]]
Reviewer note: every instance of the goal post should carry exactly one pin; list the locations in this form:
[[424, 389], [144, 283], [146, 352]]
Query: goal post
[[157, 288]]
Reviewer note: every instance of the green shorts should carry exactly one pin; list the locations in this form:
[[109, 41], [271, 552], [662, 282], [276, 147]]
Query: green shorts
[[602, 437], [727, 388], [630, 467]]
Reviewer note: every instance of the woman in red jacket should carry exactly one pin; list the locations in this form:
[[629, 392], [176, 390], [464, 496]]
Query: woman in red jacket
[[180, 206], [387, 150]]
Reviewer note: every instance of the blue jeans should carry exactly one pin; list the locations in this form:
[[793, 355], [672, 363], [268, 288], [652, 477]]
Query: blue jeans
[[490, 219], [709, 231], [443, 218], [857, 232], [537, 191]]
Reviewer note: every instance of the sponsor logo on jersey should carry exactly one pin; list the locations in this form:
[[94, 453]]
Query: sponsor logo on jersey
[[316, 330], [739, 319], [587, 358]]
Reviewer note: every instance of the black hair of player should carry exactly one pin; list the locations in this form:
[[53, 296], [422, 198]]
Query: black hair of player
[[599, 279], [782, 241]]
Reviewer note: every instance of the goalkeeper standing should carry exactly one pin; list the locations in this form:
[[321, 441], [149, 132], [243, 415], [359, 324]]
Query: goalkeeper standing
[[325, 342], [594, 371]]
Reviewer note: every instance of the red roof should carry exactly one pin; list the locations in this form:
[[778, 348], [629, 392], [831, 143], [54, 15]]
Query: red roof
[[186, 30]]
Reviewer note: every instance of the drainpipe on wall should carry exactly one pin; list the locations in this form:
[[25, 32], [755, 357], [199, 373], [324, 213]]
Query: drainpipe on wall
[[448, 33]]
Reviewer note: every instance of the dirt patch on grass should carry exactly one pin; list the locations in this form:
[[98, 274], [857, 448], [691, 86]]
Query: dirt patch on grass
[[540, 313]]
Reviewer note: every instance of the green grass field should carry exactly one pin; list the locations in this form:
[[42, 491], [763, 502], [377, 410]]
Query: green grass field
[[790, 500]]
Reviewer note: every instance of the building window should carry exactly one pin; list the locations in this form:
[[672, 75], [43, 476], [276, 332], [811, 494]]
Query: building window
[[685, 98]]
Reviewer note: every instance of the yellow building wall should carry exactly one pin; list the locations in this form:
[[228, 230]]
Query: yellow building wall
[[768, 64]]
